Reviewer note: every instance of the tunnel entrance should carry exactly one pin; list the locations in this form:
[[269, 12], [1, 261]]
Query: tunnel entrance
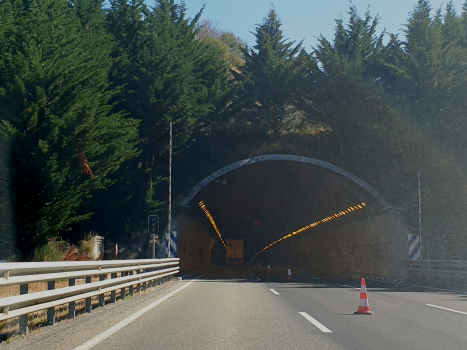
[[263, 198]]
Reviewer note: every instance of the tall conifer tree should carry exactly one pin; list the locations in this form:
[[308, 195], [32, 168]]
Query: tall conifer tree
[[274, 71], [66, 140]]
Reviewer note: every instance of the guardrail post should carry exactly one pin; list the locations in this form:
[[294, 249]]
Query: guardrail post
[[71, 305], [138, 286], [113, 294], [123, 290], [145, 284], [101, 296], [23, 320], [88, 300], [51, 310], [131, 291]]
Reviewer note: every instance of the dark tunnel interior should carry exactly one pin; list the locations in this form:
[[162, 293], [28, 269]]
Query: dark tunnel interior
[[265, 201]]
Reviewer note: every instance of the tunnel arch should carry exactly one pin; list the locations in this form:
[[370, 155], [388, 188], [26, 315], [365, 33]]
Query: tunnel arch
[[283, 157], [396, 231], [300, 159]]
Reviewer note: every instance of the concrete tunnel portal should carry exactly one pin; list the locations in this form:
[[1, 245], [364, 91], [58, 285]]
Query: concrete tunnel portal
[[261, 199]]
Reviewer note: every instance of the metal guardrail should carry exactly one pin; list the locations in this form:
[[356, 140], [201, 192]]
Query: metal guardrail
[[131, 273], [438, 264], [442, 274]]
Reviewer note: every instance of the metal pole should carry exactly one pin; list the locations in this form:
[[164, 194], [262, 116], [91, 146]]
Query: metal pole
[[153, 240], [170, 193], [420, 213]]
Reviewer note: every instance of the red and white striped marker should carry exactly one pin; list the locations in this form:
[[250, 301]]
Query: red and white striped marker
[[364, 308]]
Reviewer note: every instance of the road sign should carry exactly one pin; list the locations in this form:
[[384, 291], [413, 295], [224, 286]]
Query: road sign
[[153, 224]]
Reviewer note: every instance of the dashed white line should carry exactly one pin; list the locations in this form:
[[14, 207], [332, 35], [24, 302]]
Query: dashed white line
[[272, 290], [317, 324], [445, 308]]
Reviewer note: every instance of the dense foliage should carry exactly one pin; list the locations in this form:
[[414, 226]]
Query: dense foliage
[[87, 93]]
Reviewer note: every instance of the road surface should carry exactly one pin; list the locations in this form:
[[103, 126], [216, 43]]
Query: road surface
[[230, 308]]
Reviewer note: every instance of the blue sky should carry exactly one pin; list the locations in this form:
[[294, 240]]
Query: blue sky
[[302, 19]]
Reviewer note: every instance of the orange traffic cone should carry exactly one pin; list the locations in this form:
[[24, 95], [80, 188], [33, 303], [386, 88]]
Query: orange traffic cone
[[364, 308], [289, 273]]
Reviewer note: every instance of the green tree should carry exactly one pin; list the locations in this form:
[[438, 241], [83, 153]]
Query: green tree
[[274, 72], [344, 86], [56, 110], [168, 76], [429, 75]]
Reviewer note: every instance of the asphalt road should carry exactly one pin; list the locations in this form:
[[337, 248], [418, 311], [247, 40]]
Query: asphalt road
[[230, 308]]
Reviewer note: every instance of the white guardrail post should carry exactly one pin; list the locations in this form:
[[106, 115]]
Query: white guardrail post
[[124, 274]]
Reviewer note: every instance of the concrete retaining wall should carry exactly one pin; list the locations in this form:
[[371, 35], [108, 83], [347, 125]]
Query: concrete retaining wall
[[374, 247], [195, 246]]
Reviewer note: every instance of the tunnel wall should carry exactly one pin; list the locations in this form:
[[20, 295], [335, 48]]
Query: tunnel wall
[[371, 247], [6, 219], [194, 244]]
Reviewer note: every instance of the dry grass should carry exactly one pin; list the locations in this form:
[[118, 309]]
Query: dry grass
[[37, 319]]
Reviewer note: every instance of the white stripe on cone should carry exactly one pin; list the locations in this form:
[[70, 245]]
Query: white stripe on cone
[[289, 272], [364, 302]]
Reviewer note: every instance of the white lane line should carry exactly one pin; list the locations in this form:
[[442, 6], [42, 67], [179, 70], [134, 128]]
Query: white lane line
[[272, 290], [115, 328], [445, 308], [316, 323]]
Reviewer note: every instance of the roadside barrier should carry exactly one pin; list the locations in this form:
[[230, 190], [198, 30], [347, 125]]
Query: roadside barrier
[[140, 273], [364, 307], [189, 275]]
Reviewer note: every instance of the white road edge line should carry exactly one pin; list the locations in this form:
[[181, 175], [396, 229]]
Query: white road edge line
[[445, 308], [104, 335], [274, 291], [316, 323]]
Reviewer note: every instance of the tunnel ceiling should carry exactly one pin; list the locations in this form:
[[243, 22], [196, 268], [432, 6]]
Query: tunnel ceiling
[[282, 196]]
